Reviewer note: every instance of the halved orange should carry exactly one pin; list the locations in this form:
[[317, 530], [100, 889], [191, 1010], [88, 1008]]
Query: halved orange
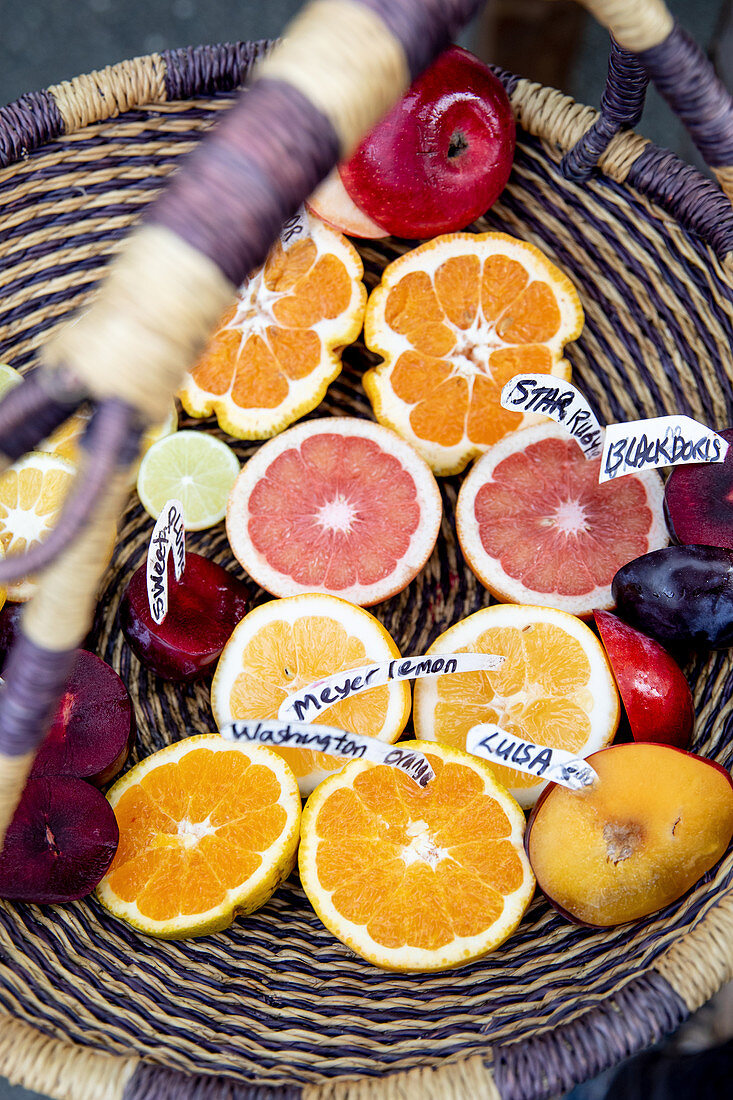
[[555, 687], [454, 320], [207, 833], [279, 345], [283, 646], [412, 878]]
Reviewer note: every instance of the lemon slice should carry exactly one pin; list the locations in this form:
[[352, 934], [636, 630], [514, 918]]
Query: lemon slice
[[193, 467]]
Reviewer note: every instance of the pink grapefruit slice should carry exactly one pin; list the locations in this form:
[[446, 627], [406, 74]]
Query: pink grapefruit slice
[[536, 527], [338, 505]]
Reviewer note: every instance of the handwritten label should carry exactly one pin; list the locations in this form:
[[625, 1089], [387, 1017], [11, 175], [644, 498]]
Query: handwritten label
[[661, 441], [169, 536], [294, 228], [304, 705], [559, 400], [553, 765], [335, 742]]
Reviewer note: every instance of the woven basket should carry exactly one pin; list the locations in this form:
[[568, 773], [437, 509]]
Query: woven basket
[[275, 1007]]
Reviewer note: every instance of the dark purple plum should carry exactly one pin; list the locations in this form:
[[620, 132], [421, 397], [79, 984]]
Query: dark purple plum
[[681, 595], [203, 609], [94, 727], [698, 501], [9, 627], [60, 843]]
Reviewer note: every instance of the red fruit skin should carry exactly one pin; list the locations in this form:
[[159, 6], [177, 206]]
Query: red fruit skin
[[203, 609], [443, 154], [654, 690], [698, 501], [60, 842], [94, 727]]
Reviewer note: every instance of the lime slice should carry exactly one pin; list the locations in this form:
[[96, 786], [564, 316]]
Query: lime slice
[[9, 378], [193, 467]]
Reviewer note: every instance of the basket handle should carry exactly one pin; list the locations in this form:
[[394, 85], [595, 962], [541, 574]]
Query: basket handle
[[681, 72]]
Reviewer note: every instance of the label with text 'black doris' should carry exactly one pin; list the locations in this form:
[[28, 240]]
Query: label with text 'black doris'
[[335, 742], [660, 441], [169, 536], [555, 765], [306, 703]]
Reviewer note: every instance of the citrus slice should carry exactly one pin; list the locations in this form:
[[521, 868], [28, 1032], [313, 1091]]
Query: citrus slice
[[279, 346], [415, 879], [338, 505], [207, 833], [65, 440], [193, 467], [283, 646], [454, 320], [536, 527], [3, 591], [555, 687], [32, 492], [9, 378]]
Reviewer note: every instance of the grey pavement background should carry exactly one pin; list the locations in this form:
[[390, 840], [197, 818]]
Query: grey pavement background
[[45, 41]]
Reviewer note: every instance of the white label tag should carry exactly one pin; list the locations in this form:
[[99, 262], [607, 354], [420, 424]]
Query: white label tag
[[554, 765], [661, 441], [561, 401], [335, 742], [169, 535], [294, 228], [304, 705]]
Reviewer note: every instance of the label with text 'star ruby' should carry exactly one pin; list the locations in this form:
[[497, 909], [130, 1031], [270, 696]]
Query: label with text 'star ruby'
[[554, 765], [561, 401], [168, 537]]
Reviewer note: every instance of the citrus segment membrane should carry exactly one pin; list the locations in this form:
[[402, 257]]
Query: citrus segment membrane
[[337, 505], [207, 832], [555, 687], [411, 878], [279, 345], [283, 645], [454, 320], [535, 526]]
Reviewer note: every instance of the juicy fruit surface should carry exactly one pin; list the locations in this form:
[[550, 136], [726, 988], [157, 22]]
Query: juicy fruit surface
[[629, 846], [681, 595], [454, 320], [338, 505], [207, 832], [203, 609], [555, 687], [698, 501], [283, 646], [32, 493], [443, 154], [416, 879], [60, 842], [536, 527], [193, 467], [278, 348]]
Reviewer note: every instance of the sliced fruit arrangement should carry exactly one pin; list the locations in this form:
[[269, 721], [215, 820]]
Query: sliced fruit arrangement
[[193, 467], [454, 320], [207, 832], [204, 607], [32, 492], [338, 505], [555, 687], [285, 645], [654, 823], [698, 501], [279, 346], [536, 527], [415, 879]]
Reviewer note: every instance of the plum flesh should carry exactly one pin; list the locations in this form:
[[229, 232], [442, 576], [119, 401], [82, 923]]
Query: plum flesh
[[698, 501], [681, 595], [60, 842]]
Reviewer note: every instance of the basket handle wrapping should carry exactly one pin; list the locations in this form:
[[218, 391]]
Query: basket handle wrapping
[[682, 73]]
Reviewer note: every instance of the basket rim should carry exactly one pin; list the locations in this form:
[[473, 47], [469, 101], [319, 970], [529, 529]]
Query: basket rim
[[684, 976]]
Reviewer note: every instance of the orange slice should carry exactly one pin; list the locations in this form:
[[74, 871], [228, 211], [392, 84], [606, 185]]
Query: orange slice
[[279, 346], [207, 833], [283, 646], [415, 879], [555, 687], [454, 320]]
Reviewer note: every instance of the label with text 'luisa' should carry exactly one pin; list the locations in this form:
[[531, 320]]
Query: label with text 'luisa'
[[335, 742], [168, 537], [554, 765]]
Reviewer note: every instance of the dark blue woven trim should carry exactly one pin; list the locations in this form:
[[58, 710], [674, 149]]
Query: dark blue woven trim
[[158, 1083], [205, 70], [29, 122], [686, 79], [423, 27]]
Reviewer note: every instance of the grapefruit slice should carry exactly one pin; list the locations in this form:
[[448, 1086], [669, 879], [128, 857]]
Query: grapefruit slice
[[536, 527], [454, 320], [338, 505]]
